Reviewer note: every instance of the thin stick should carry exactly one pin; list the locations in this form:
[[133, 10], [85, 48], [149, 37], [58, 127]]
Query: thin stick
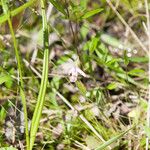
[[148, 34], [127, 26]]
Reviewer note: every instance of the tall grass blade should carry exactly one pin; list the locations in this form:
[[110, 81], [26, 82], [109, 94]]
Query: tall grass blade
[[91, 13], [22, 94], [41, 96]]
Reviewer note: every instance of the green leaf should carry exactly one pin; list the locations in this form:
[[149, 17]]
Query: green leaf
[[4, 78], [114, 139], [2, 115], [9, 83], [93, 44], [91, 13], [126, 59], [112, 86], [58, 6], [136, 72], [126, 77], [5, 7], [139, 59], [84, 30], [112, 61]]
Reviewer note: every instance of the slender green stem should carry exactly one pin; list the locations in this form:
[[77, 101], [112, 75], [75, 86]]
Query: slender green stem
[[16, 11], [41, 96], [22, 94]]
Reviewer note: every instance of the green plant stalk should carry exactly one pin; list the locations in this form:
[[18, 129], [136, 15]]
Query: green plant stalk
[[13, 13], [22, 94], [43, 86]]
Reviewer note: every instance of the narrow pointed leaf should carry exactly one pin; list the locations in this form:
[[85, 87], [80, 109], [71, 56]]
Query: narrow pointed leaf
[[4, 78], [91, 13]]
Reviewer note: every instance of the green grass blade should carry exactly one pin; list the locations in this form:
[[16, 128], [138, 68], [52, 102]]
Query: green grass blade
[[3, 18], [91, 13], [41, 96], [4, 78], [22, 94], [107, 143]]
